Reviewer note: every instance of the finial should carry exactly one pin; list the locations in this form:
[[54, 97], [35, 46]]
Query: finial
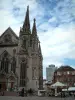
[[28, 7], [34, 20]]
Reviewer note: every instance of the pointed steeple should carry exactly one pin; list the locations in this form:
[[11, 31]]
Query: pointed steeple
[[26, 25], [34, 30]]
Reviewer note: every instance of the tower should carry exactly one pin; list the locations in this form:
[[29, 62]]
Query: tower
[[29, 56], [23, 50]]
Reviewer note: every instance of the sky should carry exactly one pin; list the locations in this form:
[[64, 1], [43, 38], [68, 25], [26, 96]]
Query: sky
[[55, 21]]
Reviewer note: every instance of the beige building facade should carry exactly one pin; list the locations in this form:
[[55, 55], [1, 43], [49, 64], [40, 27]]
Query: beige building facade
[[21, 58]]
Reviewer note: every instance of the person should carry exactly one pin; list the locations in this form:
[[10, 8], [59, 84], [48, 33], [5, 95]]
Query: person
[[30, 91], [74, 94], [22, 92], [61, 94], [3, 93], [26, 92], [64, 94]]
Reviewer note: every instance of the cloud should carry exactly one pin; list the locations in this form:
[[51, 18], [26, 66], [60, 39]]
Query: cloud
[[57, 44], [58, 41], [64, 11]]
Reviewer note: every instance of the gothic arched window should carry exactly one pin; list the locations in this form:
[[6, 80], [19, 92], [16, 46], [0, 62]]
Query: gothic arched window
[[2, 64], [5, 64], [22, 73], [13, 65]]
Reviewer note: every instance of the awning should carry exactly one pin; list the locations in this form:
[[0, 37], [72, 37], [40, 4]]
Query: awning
[[58, 84], [71, 89]]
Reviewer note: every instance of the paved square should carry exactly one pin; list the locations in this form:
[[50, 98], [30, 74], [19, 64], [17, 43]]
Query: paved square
[[35, 98]]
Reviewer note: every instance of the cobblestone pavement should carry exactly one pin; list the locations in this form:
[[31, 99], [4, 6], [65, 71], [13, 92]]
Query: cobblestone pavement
[[35, 98]]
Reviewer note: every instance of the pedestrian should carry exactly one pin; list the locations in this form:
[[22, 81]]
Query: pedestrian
[[25, 92], [74, 94], [61, 94], [64, 94], [3, 93], [22, 92]]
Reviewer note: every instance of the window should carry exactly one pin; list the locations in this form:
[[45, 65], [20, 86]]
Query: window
[[22, 73], [73, 72], [58, 73], [2, 64], [5, 64], [68, 72], [64, 73], [13, 65], [30, 43]]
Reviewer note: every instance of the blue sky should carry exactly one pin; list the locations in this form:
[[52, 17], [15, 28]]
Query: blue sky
[[55, 21]]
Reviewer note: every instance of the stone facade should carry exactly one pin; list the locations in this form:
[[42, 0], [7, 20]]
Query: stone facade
[[21, 58]]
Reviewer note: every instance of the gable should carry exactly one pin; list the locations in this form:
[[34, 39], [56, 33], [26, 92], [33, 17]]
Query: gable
[[8, 38]]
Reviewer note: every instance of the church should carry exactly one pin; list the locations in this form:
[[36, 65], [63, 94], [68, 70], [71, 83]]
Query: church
[[21, 58]]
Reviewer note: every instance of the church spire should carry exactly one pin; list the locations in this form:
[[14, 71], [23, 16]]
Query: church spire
[[26, 25], [34, 31]]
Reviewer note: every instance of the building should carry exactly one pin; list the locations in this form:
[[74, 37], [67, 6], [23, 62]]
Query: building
[[21, 58], [66, 75], [50, 72]]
